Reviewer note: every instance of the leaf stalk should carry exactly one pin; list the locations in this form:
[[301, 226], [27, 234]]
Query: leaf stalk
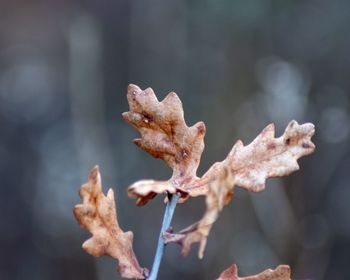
[[168, 215]]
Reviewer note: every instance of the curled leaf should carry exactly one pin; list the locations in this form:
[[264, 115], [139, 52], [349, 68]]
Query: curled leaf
[[247, 167], [145, 190], [282, 272], [98, 215]]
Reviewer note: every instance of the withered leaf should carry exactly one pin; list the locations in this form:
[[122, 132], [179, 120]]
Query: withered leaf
[[144, 190], [98, 215], [264, 158], [165, 135], [282, 272], [164, 132], [247, 167]]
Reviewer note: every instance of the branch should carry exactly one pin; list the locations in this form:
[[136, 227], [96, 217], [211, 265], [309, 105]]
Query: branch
[[168, 215]]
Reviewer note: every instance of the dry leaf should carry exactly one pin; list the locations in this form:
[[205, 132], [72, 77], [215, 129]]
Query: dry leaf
[[265, 157], [282, 272], [165, 135], [98, 215], [164, 132], [247, 167], [144, 190]]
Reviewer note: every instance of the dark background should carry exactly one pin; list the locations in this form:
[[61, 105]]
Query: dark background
[[236, 64]]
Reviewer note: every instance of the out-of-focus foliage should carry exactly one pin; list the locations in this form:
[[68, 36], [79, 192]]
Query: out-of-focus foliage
[[64, 69], [282, 272]]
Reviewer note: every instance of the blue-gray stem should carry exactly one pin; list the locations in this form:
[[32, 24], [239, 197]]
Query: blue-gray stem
[[168, 215]]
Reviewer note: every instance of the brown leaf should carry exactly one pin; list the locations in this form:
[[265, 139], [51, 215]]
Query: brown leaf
[[164, 132], [282, 272], [165, 135], [265, 157], [144, 190], [247, 167], [98, 215]]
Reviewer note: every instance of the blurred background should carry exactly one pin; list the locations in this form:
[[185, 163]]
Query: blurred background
[[236, 64]]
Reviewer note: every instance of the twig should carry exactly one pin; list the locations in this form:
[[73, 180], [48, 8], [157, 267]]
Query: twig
[[168, 215]]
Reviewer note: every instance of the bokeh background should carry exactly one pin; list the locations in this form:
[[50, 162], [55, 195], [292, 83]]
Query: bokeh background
[[236, 64]]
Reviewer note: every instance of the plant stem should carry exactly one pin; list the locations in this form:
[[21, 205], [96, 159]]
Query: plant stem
[[168, 215]]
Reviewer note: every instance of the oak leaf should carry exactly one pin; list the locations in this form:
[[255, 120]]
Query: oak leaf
[[282, 272], [247, 167], [98, 215], [164, 135]]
